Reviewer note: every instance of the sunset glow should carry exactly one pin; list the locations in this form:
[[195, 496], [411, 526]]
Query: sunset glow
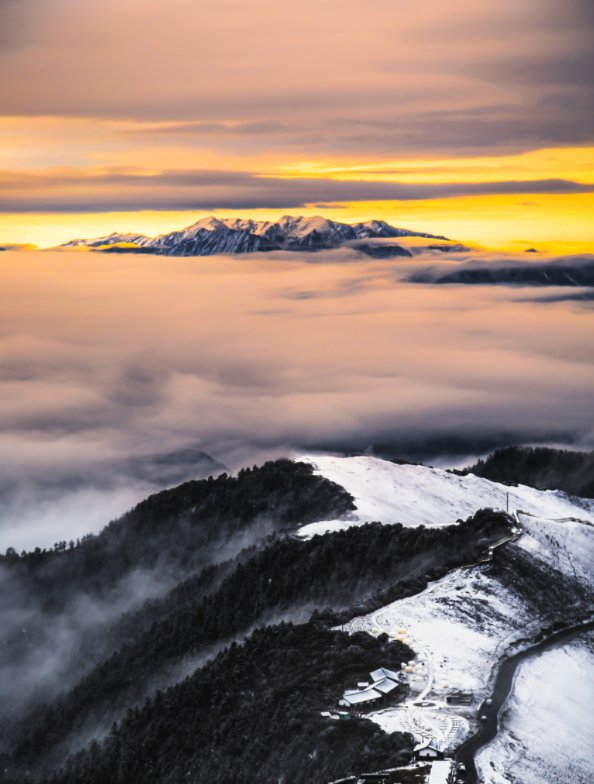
[[296, 385], [558, 224], [489, 142]]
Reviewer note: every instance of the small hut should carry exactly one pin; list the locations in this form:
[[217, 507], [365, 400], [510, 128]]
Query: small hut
[[428, 750]]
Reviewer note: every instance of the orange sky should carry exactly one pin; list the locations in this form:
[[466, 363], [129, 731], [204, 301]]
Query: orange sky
[[470, 119]]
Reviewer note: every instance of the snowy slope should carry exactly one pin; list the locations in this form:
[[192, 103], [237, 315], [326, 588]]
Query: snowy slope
[[461, 626], [209, 241], [548, 733], [109, 240], [453, 651], [415, 494], [566, 546]]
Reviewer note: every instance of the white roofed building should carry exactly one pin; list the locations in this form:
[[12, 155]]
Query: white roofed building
[[384, 682], [428, 750], [385, 685], [360, 696], [383, 672]]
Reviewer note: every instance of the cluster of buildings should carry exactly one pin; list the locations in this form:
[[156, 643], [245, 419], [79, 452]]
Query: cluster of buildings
[[383, 684]]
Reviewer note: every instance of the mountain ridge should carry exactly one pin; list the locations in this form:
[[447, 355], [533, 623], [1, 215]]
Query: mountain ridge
[[211, 235], [244, 649], [541, 467]]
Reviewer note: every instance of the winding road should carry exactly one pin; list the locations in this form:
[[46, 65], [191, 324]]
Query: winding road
[[502, 689]]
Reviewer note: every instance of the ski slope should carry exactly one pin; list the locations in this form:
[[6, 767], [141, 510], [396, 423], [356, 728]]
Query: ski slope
[[420, 495]]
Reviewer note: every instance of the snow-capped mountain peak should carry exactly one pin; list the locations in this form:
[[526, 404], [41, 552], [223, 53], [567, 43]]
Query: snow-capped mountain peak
[[211, 235], [210, 223], [115, 238]]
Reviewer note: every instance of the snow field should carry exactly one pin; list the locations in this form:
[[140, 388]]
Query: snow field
[[547, 733], [420, 495], [458, 627]]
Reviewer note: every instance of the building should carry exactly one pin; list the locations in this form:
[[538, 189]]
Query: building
[[387, 776], [383, 672], [385, 686], [460, 697], [336, 715], [381, 777], [358, 697], [384, 683], [443, 772], [428, 750]]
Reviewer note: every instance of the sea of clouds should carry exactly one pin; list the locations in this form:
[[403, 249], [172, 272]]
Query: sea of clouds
[[107, 361]]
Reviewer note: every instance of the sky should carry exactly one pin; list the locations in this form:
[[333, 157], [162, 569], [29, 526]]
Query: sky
[[460, 117]]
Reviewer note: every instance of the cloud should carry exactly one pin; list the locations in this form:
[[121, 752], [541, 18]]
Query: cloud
[[55, 647], [105, 359], [120, 190], [450, 75], [573, 271], [213, 129], [585, 296]]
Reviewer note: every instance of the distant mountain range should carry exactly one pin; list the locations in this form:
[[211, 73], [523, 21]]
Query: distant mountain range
[[573, 272], [210, 236]]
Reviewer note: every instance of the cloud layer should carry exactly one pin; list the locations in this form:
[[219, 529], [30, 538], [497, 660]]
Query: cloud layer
[[120, 190], [387, 78], [105, 358]]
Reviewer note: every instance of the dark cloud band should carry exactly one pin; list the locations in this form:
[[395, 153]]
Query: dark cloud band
[[207, 190]]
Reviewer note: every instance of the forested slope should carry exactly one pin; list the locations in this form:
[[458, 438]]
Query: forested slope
[[60, 609], [540, 467], [350, 571], [253, 714]]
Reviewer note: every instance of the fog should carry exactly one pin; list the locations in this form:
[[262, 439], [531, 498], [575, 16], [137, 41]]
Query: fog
[[48, 646], [106, 360], [41, 654]]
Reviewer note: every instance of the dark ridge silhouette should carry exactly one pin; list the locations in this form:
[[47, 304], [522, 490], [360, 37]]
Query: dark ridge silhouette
[[540, 467]]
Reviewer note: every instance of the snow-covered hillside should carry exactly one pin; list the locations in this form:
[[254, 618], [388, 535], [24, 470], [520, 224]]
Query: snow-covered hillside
[[547, 733], [463, 625], [420, 495]]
